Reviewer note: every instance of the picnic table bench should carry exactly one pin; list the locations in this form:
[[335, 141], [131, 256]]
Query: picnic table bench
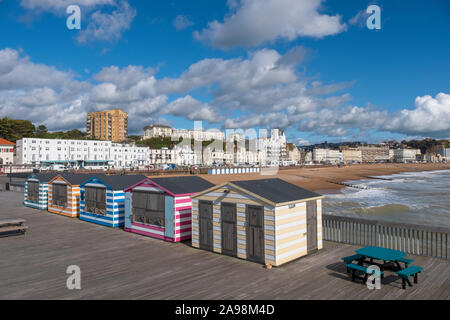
[[411, 271], [11, 227], [385, 259], [356, 268]]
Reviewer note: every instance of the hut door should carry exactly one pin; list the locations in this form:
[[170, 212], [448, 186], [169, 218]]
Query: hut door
[[311, 222], [229, 234], [255, 233], [206, 225]]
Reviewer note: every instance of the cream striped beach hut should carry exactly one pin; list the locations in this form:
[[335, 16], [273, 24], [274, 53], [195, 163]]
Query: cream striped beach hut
[[269, 221]]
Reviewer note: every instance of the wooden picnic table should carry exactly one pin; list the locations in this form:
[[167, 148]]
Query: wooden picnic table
[[12, 226], [391, 258]]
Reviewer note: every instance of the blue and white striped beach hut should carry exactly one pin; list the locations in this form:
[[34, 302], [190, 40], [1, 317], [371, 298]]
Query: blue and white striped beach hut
[[36, 190], [103, 199]]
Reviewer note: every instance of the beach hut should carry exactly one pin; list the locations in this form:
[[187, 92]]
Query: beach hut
[[36, 190], [268, 221], [64, 193], [161, 207], [102, 199]]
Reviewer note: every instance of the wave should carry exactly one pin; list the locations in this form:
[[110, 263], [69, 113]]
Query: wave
[[381, 210]]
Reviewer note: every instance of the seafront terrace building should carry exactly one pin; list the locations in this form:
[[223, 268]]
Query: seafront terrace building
[[406, 155], [80, 153], [444, 153], [375, 154], [351, 155], [320, 155]]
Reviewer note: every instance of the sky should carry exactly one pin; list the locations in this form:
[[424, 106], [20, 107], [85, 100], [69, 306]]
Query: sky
[[310, 67]]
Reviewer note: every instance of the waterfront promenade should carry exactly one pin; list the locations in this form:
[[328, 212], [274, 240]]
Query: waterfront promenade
[[119, 265]]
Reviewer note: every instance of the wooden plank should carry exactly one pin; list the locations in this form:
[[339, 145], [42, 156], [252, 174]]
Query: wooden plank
[[123, 265]]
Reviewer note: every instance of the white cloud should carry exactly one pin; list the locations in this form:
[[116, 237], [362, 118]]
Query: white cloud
[[192, 109], [430, 116], [263, 89], [182, 22], [254, 22], [106, 20], [108, 26]]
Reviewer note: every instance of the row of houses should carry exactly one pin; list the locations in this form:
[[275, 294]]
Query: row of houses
[[96, 153], [269, 221], [364, 154]]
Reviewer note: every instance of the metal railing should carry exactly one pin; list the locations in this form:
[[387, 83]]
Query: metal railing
[[413, 239]]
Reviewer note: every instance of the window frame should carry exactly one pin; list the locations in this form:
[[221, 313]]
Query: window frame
[[97, 205], [149, 213], [35, 192], [58, 196]]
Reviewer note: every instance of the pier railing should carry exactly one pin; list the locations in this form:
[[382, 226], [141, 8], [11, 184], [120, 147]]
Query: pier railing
[[413, 239]]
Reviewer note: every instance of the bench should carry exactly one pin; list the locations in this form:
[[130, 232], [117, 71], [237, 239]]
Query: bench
[[362, 270], [407, 262], [12, 227], [411, 271], [350, 259]]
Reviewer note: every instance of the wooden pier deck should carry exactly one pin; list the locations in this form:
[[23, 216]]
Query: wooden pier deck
[[119, 265]]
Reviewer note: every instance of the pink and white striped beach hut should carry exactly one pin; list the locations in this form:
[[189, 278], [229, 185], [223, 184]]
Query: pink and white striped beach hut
[[161, 207]]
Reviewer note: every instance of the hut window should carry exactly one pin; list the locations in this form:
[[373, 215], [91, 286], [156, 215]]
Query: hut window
[[33, 191], [95, 200], [148, 207], [59, 195]]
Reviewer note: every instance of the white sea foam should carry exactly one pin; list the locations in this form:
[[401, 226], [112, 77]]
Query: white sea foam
[[419, 197]]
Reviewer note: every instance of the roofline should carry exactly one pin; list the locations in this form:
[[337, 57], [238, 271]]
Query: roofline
[[95, 177], [273, 204], [59, 175], [238, 188], [149, 180]]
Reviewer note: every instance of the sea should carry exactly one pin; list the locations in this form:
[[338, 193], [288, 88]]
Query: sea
[[412, 197]]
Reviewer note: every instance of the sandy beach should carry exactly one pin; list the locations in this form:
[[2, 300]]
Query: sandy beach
[[325, 179]]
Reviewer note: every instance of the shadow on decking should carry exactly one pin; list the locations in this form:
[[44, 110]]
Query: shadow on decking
[[340, 271]]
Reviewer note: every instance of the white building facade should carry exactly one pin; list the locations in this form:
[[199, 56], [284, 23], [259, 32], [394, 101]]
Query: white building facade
[[80, 153]]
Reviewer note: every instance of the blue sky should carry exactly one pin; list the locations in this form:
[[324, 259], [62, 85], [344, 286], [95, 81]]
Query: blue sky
[[311, 67]]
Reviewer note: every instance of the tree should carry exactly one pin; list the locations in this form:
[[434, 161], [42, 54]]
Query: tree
[[14, 130]]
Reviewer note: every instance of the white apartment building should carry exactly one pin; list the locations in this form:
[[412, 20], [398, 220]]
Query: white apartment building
[[320, 155], [79, 153], [157, 130], [406, 155], [273, 147]]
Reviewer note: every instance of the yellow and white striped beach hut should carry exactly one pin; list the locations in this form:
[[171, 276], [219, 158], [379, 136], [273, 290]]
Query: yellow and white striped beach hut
[[268, 221]]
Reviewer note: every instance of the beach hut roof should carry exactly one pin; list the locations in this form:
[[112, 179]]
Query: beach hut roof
[[272, 191], [121, 182], [43, 177], [276, 190], [77, 179], [183, 185]]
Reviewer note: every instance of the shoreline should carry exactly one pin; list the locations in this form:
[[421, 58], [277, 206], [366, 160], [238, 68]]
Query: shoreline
[[327, 179]]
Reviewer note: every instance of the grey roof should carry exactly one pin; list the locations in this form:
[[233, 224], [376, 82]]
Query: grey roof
[[183, 185], [43, 177], [121, 182], [77, 179], [276, 190]]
